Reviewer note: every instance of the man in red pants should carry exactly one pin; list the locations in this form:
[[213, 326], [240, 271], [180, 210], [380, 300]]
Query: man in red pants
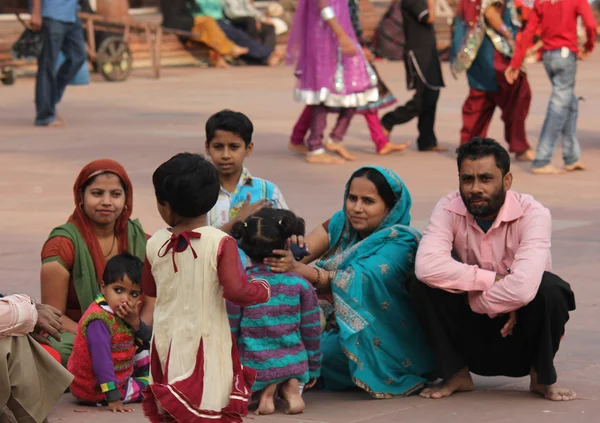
[[483, 43]]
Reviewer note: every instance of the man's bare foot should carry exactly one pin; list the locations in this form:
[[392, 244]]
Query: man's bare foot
[[290, 392], [525, 156], [323, 158], [553, 392], [238, 51], [267, 403], [576, 166], [298, 148], [390, 147], [460, 382], [547, 170], [550, 392], [58, 123], [276, 57], [339, 149]]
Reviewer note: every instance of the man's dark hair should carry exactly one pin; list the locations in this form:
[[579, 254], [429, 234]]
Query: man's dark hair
[[122, 265], [188, 183], [479, 148], [229, 121]]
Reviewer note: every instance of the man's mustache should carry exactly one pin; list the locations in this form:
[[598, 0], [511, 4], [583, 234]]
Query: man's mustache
[[477, 198]]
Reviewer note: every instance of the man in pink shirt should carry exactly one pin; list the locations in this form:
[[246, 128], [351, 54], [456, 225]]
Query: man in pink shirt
[[485, 294], [31, 380]]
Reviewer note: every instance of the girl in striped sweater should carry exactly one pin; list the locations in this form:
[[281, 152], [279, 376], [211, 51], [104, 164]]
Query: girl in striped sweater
[[280, 339]]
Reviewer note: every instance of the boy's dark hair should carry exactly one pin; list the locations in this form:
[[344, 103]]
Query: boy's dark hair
[[122, 265], [229, 121], [265, 231], [479, 148], [188, 183]]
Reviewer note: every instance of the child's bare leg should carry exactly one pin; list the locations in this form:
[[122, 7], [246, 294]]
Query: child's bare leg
[[290, 391], [267, 403]]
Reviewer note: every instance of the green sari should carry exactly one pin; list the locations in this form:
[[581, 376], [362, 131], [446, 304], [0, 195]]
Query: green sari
[[379, 345], [83, 273]]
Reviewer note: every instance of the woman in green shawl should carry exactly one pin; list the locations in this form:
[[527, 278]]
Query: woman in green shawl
[[74, 256], [365, 258]]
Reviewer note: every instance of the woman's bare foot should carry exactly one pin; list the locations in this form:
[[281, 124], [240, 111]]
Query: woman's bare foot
[[576, 166], [386, 132], [221, 63], [267, 403], [460, 382], [217, 60], [390, 147], [550, 392], [298, 148], [526, 156], [238, 51], [290, 392], [323, 158], [339, 149]]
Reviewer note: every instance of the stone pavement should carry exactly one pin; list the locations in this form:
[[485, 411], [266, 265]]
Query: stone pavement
[[142, 122]]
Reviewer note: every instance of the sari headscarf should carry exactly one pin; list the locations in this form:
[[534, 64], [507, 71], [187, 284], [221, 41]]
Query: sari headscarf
[[89, 262], [82, 221], [372, 306]]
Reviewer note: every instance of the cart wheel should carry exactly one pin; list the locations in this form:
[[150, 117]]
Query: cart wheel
[[8, 76], [114, 59]]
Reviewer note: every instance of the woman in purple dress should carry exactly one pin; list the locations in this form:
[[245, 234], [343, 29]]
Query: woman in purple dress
[[332, 72]]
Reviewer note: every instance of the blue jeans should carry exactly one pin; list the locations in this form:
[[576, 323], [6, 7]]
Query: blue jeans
[[561, 117], [50, 84]]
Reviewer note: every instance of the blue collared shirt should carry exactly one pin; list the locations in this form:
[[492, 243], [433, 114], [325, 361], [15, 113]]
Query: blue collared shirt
[[60, 10]]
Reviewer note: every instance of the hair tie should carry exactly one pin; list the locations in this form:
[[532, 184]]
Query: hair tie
[[245, 225], [280, 220]]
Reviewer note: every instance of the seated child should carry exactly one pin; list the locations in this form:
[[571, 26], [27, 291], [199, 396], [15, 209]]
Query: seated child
[[229, 143], [110, 350], [281, 338], [195, 369]]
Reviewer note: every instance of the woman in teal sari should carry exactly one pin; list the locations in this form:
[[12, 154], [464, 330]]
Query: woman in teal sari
[[365, 257]]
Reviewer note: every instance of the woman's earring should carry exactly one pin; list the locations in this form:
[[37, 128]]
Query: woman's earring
[[81, 206]]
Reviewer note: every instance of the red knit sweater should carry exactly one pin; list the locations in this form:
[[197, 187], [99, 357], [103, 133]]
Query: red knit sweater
[[85, 386]]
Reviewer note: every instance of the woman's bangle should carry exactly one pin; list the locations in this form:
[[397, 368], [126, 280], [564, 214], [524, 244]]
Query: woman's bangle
[[319, 277], [332, 274], [327, 13]]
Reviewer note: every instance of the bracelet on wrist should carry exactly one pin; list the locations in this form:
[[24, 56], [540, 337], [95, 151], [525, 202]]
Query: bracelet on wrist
[[319, 277]]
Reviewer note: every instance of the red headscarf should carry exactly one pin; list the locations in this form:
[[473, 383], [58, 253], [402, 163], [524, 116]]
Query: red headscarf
[[83, 222]]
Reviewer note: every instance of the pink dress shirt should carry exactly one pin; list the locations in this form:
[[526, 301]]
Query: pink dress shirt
[[18, 315], [457, 256]]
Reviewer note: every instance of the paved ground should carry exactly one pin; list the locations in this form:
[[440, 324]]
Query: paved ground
[[143, 122]]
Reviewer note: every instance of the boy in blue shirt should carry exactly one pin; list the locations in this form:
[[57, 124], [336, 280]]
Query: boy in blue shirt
[[229, 143]]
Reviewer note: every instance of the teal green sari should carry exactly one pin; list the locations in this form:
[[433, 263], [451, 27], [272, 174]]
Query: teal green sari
[[379, 345]]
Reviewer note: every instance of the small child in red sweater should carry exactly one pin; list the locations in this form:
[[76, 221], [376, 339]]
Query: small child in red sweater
[[110, 359]]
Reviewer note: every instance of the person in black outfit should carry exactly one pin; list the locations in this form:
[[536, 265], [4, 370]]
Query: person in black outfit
[[423, 74]]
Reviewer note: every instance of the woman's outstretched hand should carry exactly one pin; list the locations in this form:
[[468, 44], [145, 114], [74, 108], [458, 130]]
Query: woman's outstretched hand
[[283, 262]]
